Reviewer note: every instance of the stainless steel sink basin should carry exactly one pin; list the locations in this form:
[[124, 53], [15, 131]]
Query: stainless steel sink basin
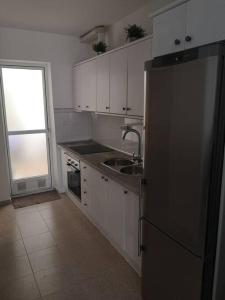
[[132, 170], [118, 162]]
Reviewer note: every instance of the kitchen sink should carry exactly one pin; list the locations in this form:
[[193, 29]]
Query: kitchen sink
[[132, 170], [118, 162]]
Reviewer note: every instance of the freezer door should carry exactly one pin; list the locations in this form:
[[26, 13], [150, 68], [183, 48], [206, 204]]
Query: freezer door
[[168, 270], [179, 121]]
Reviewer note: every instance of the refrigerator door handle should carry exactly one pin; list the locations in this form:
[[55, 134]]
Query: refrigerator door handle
[[140, 217]]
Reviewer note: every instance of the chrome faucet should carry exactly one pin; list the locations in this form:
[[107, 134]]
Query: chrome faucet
[[128, 129]]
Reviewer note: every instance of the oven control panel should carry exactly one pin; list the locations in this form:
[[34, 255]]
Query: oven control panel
[[71, 162]]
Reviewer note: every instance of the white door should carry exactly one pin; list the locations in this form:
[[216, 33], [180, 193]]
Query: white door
[[103, 84], [137, 56], [88, 71], [25, 107], [205, 22], [118, 82], [169, 31]]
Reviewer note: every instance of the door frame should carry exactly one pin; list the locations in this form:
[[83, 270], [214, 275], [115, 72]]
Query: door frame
[[49, 117]]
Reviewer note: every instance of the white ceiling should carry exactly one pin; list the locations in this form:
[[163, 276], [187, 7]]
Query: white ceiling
[[64, 16]]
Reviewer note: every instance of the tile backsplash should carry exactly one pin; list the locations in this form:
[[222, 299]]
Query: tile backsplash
[[72, 126], [107, 130]]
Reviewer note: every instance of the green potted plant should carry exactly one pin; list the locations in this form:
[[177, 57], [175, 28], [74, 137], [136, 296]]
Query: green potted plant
[[134, 32], [100, 47]]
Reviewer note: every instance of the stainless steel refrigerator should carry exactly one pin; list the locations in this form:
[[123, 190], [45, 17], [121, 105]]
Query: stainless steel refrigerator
[[183, 171]]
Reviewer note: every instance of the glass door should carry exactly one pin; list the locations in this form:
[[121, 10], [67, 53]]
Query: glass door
[[24, 101]]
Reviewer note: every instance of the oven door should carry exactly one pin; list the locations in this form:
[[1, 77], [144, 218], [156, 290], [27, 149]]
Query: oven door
[[73, 177]]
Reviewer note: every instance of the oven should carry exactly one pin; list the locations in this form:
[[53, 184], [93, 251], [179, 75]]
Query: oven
[[73, 176]]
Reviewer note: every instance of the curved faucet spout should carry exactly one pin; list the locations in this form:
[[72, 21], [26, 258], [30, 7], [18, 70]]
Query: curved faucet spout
[[129, 129]]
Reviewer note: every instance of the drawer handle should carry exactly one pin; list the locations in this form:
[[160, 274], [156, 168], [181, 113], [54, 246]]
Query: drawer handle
[[106, 179], [85, 180], [188, 38], [87, 106], [177, 42], [84, 167], [103, 177]]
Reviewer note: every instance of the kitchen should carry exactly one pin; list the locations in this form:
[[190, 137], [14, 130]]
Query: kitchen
[[98, 228]]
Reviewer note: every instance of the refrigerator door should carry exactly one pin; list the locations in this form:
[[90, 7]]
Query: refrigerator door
[[169, 271], [179, 122]]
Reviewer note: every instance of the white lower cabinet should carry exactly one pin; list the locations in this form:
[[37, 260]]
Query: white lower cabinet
[[114, 210]]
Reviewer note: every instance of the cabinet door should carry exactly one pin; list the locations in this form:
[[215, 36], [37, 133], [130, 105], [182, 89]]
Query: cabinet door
[[103, 84], [77, 87], [131, 227], [169, 30], [88, 71], [205, 22], [115, 213], [118, 82], [99, 198], [137, 56]]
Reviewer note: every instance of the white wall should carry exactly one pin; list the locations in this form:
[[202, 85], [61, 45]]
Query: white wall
[[116, 34], [60, 50]]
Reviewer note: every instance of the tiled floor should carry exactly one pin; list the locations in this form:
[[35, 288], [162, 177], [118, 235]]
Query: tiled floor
[[52, 252]]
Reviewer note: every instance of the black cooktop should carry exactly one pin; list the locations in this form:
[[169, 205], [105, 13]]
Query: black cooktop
[[90, 149]]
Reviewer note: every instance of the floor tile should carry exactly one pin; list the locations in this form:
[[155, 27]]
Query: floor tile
[[23, 288], [12, 268], [28, 217], [69, 257], [45, 259], [39, 242], [12, 249], [53, 280], [28, 229]]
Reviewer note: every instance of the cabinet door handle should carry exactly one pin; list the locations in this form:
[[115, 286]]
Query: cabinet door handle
[[177, 42], [107, 107], [87, 106], [125, 192], [128, 108], [106, 179], [84, 167], [188, 38], [85, 193], [124, 108], [85, 180], [103, 177]]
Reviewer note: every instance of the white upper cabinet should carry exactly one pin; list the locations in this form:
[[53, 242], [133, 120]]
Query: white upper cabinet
[[114, 82], [118, 81], [205, 22], [169, 30], [191, 24], [103, 84], [137, 56], [77, 89], [88, 71]]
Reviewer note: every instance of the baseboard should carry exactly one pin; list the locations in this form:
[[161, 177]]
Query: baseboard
[[5, 202]]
